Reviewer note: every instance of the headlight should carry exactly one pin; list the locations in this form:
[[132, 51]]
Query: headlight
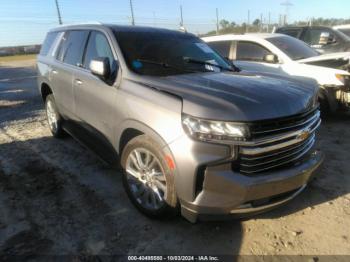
[[215, 131], [342, 78]]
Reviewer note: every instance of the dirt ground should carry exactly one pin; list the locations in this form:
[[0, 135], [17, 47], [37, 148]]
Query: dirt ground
[[58, 198]]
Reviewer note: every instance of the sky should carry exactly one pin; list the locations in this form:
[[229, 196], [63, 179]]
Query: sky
[[25, 22]]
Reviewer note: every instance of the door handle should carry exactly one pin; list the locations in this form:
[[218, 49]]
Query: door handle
[[78, 82], [54, 71]]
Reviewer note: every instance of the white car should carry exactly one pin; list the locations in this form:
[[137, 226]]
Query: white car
[[288, 57]]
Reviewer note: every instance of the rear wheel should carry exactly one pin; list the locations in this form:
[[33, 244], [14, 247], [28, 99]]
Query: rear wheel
[[147, 179], [53, 117]]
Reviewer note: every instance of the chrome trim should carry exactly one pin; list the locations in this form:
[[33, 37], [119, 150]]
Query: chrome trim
[[272, 139], [274, 151], [304, 149], [261, 150], [308, 140], [248, 208], [294, 134], [279, 164]]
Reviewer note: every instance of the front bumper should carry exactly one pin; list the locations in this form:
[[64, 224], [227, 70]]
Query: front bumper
[[228, 194]]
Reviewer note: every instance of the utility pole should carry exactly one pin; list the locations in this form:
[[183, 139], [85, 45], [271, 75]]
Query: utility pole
[[268, 26], [154, 19], [182, 19], [58, 13], [132, 13], [217, 21], [280, 20], [287, 5], [261, 22], [247, 28]]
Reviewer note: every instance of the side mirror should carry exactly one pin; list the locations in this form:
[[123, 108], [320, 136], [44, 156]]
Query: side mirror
[[100, 67], [326, 38], [271, 58]]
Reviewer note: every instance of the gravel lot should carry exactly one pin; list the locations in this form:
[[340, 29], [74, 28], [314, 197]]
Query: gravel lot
[[58, 198]]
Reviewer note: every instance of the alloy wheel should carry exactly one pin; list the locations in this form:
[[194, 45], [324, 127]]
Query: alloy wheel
[[146, 178], [51, 115]]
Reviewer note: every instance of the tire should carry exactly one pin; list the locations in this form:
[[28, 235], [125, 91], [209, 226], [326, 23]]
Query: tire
[[140, 190], [53, 117]]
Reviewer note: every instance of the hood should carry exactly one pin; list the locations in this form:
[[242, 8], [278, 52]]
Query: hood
[[237, 96], [343, 56]]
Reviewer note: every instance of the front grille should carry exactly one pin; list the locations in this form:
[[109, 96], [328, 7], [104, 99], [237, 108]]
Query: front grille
[[277, 126], [278, 143]]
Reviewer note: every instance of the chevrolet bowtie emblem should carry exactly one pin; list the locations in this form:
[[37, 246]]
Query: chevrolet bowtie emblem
[[303, 135]]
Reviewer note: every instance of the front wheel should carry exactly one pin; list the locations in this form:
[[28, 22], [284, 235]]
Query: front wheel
[[53, 117], [147, 178]]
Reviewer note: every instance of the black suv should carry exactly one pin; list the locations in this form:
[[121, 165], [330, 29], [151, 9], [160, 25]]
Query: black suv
[[322, 38]]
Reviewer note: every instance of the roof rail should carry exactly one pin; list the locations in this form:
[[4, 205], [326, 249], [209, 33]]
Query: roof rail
[[82, 23]]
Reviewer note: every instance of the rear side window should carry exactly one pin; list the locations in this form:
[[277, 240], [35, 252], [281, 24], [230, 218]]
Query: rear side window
[[72, 47], [294, 32], [46, 46], [250, 51], [222, 47]]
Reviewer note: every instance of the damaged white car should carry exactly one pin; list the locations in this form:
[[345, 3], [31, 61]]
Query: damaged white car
[[288, 57]]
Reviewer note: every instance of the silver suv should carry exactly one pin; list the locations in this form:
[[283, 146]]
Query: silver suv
[[190, 130]]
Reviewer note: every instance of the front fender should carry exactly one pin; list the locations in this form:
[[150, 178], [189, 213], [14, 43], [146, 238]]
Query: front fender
[[139, 126]]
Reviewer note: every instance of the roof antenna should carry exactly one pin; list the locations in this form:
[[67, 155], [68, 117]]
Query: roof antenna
[[183, 29]]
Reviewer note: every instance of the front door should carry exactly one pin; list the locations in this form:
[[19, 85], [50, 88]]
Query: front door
[[95, 98], [250, 57], [312, 36]]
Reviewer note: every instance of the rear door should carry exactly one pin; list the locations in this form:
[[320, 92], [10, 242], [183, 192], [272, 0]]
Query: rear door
[[96, 99], [250, 57], [68, 59]]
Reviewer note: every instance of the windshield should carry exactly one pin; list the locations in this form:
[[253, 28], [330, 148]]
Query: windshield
[[165, 53], [293, 47]]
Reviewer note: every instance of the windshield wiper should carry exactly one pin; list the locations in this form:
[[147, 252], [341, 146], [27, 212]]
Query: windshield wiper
[[165, 65], [201, 62]]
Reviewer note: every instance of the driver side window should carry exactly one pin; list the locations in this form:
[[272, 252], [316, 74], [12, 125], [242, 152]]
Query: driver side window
[[312, 36], [98, 46], [248, 51]]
